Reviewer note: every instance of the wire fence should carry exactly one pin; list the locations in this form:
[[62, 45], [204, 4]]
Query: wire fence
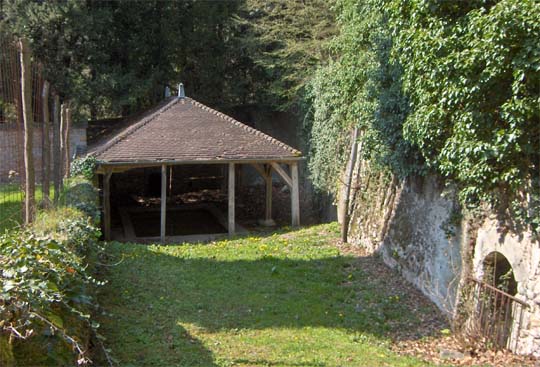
[[12, 135]]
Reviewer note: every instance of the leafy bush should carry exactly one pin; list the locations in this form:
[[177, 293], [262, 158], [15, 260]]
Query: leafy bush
[[84, 166], [472, 73], [436, 86], [45, 278], [79, 193]]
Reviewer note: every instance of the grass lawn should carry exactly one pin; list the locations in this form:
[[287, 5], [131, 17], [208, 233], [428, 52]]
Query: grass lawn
[[284, 299], [11, 204]]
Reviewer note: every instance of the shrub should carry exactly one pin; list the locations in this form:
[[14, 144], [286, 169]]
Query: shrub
[[79, 193], [84, 167], [46, 283]]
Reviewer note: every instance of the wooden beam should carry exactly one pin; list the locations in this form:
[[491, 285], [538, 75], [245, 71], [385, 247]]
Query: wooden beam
[[295, 197], [107, 205], [281, 172], [259, 168], [163, 202], [231, 189]]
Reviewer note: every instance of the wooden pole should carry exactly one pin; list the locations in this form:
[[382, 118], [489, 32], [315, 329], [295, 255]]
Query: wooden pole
[[26, 93], [268, 183], [348, 183], [231, 192], [66, 122], [46, 149], [107, 205], [295, 197], [163, 203], [63, 123], [57, 149]]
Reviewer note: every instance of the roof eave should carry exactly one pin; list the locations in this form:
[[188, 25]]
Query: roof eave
[[104, 166]]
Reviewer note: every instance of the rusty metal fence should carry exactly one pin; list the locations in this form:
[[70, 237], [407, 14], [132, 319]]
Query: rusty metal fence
[[498, 316]]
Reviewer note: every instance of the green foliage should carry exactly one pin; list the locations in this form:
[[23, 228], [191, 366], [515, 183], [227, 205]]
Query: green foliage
[[84, 166], [79, 193], [438, 86], [116, 57], [359, 87], [472, 75], [45, 279], [284, 40]]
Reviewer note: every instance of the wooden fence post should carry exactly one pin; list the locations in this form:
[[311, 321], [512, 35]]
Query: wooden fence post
[[63, 123], [67, 156], [57, 156], [26, 94], [46, 149]]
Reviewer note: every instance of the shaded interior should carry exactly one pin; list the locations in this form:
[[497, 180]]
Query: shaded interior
[[178, 222]]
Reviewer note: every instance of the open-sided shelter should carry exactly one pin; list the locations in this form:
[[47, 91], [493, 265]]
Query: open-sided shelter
[[182, 131]]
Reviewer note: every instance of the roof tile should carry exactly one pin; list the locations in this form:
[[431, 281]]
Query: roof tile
[[185, 130]]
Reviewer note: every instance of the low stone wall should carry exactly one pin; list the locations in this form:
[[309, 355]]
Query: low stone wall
[[409, 225], [416, 227]]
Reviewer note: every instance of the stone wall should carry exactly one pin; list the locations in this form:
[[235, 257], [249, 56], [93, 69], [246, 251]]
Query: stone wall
[[416, 228], [409, 225]]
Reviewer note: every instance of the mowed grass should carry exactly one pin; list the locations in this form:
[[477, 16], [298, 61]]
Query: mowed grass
[[284, 299]]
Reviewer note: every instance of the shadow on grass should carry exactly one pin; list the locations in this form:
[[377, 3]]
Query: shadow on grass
[[156, 290]]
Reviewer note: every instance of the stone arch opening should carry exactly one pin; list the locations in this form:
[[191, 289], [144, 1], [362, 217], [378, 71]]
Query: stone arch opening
[[498, 272], [496, 302]]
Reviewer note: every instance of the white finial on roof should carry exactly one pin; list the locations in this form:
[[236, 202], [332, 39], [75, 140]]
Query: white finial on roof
[[167, 92], [181, 93]]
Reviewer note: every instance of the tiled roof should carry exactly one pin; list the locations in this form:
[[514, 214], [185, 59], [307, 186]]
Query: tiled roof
[[184, 130]]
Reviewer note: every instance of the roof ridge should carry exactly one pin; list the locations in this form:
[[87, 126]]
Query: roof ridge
[[245, 127], [133, 128]]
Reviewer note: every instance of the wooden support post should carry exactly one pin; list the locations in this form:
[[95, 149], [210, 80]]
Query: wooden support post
[[107, 205], [163, 203], [56, 149], [231, 193], [46, 149], [268, 183], [26, 93], [295, 197]]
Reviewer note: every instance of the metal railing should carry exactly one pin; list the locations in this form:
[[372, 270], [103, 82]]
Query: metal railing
[[498, 315]]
